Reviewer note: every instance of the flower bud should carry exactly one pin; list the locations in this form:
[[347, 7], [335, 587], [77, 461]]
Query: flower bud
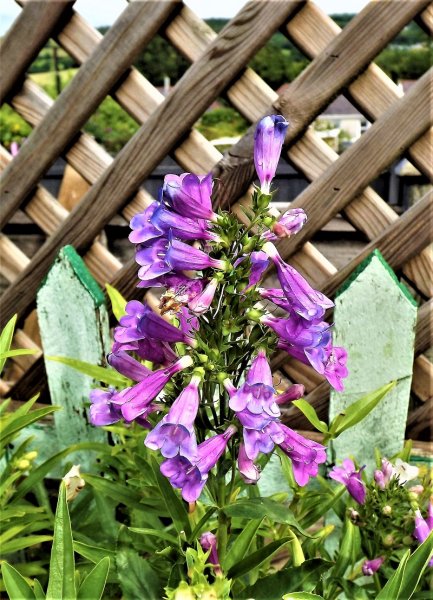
[[254, 315], [30, 455], [23, 464], [388, 540], [268, 141], [387, 510]]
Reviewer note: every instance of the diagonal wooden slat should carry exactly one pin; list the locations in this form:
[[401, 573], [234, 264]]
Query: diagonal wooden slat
[[317, 85], [190, 97], [373, 92], [133, 29], [384, 141], [27, 36]]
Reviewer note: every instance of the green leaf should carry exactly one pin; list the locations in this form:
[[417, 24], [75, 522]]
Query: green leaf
[[6, 339], [137, 578], [322, 503], [37, 475], [391, 591], [200, 525], [105, 374], [302, 596], [305, 577], [309, 412], [240, 546], [17, 424], [349, 547], [257, 558], [24, 542], [159, 533], [15, 584], [118, 302], [257, 508], [94, 584], [38, 591], [173, 503], [62, 567], [93, 553], [20, 352], [415, 567], [357, 411]]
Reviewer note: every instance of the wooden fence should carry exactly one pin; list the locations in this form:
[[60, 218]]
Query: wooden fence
[[341, 62]]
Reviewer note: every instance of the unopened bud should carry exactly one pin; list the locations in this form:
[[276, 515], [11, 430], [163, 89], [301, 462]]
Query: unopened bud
[[73, 482], [254, 315], [388, 540], [23, 464], [386, 510], [407, 540], [30, 455]]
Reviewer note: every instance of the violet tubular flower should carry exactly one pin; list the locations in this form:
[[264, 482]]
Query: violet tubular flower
[[287, 225], [423, 527], [202, 302], [136, 399], [249, 472], [268, 142], [152, 261], [208, 541], [190, 195], [102, 411], [304, 300], [174, 434], [351, 479], [128, 366], [183, 257], [143, 230], [184, 228], [369, 567], [191, 477], [297, 331], [306, 455], [153, 326]]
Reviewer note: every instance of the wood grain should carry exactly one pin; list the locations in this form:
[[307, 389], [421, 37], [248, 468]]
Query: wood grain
[[27, 36], [133, 29], [190, 97]]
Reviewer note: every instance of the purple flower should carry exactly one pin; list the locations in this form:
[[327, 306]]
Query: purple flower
[[429, 519], [191, 477], [135, 400], [208, 541], [152, 261], [268, 141], [103, 411], [190, 195], [184, 228], [423, 527], [188, 323], [261, 440], [290, 223], [128, 330], [383, 476], [202, 302], [297, 331], [292, 393], [259, 264], [257, 393], [143, 229], [153, 326], [250, 473], [155, 351], [276, 295], [14, 149], [175, 434], [306, 302], [183, 257], [306, 455], [369, 567], [128, 366], [349, 477]]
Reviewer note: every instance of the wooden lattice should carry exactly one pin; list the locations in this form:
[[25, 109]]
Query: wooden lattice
[[340, 63]]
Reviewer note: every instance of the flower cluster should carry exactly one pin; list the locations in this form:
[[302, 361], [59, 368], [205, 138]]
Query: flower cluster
[[196, 394]]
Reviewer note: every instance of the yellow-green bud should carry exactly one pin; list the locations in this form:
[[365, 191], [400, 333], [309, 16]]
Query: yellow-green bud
[[23, 464], [407, 540], [203, 358], [388, 540], [30, 455], [386, 510], [184, 592], [254, 315]]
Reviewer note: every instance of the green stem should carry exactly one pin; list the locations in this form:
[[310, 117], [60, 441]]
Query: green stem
[[223, 520]]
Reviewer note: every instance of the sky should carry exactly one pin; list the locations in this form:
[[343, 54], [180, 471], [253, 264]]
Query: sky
[[105, 12]]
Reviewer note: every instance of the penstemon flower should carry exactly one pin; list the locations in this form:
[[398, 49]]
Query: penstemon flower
[[351, 478], [206, 393]]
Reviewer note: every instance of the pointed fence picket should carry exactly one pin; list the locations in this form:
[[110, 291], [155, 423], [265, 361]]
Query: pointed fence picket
[[73, 321], [375, 318]]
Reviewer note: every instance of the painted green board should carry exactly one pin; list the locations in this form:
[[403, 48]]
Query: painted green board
[[73, 321], [375, 318]]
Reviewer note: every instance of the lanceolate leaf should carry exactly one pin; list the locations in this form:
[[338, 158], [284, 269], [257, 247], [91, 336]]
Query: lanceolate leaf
[[62, 567], [118, 302], [354, 413], [94, 584], [391, 591], [6, 339], [38, 591], [309, 412], [240, 546], [415, 567], [257, 558], [105, 374], [15, 584]]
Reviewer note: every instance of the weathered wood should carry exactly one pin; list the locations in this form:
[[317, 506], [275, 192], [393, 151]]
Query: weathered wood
[[133, 29], [422, 383], [73, 321], [420, 419], [319, 83], [384, 141], [204, 81], [372, 92], [375, 319], [424, 327], [27, 36], [400, 241]]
